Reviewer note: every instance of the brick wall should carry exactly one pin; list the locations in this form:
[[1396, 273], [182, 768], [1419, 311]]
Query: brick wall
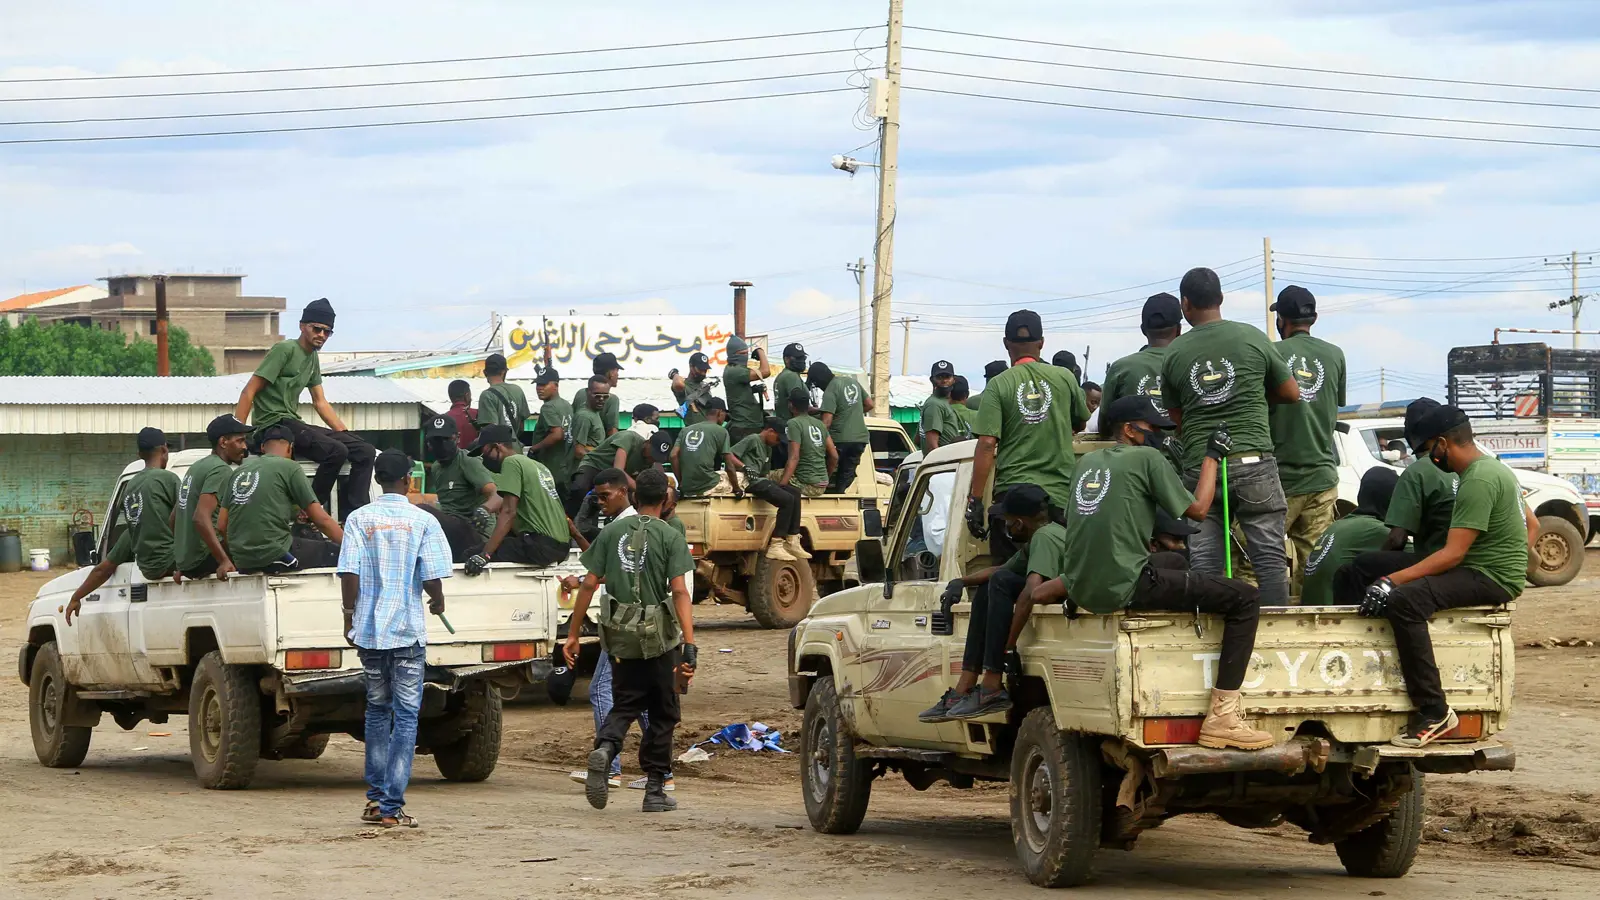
[[44, 479]]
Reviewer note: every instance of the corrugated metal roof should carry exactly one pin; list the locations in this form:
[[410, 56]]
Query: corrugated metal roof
[[178, 391]]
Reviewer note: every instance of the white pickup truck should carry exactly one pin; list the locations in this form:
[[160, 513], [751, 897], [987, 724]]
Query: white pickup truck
[[260, 665]]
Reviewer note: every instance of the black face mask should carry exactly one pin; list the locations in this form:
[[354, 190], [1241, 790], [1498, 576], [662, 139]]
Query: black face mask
[[1439, 459], [1147, 437], [941, 392], [442, 449], [493, 463], [796, 364]]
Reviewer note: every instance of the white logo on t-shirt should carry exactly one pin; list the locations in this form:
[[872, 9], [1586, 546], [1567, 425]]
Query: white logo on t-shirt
[[1091, 489], [244, 486], [1212, 387], [693, 439], [633, 565], [1033, 401], [815, 434], [133, 507], [1150, 386], [1318, 556], [1310, 382]]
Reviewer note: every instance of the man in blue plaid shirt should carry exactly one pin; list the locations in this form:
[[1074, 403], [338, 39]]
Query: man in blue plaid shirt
[[392, 554]]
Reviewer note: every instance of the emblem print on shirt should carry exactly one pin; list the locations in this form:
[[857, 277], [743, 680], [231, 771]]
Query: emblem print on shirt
[[548, 482], [1150, 386], [183, 492], [133, 507], [1212, 386], [244, 486], [852, 394], [1091, 489], [631, 564], [815, 434], [1310, 382], [693, 439], [1317, 558], [1033, 401]]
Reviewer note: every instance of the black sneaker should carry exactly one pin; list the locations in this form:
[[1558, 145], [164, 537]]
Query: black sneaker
[[940, 712], [1425, 731], [981, 703]]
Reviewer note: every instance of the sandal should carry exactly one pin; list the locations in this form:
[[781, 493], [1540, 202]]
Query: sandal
[[371, 815], [402, 820]]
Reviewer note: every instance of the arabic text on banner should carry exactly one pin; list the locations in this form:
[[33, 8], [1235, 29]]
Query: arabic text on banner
[[646, 346]]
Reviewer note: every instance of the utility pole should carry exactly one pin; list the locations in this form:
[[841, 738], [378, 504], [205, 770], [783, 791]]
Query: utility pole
[[859, 267], [905, 347], [1576, 299], [1382, 393], [163, 364], [1266, 268], [883, 242]]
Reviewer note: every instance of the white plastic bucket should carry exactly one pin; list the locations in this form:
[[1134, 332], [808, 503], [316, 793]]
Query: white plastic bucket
[[39, 560]]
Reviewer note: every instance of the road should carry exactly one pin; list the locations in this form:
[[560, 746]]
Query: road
[[130, 823]]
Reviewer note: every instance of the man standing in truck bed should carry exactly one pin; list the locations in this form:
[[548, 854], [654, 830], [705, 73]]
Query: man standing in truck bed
[[272, 396], [552, 437], [502, 403], [147, 503], [740, 383]]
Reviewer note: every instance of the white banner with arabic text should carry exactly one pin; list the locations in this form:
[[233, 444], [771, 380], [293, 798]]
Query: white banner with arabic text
[[646, 346]]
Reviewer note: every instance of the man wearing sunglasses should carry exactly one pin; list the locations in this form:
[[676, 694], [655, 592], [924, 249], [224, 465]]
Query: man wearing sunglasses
[[273, 396]]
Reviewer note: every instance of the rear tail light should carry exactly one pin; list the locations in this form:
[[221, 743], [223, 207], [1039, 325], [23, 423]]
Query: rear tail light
[[697, 550], [1470, 728], [313, 659], [1173, 731], [508, 652]]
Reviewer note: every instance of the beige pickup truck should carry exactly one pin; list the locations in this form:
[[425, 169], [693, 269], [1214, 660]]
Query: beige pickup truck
[[1101, 744], [728, 536]]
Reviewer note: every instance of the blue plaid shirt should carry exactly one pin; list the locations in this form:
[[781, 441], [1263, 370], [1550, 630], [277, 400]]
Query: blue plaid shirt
[[393, 547]]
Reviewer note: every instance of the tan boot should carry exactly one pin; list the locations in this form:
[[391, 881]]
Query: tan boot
[[795, 548], [777, 550], [1225, 727]]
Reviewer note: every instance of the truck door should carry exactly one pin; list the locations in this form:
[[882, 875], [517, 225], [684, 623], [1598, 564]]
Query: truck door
[[104, 660]]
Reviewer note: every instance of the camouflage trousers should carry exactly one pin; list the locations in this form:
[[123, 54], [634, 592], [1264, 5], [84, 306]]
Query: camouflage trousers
[[1308, 517]]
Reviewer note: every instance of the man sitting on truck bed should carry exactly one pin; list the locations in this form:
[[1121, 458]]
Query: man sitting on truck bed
[[197, 525], [844, 413], [468, 498], [1108, 567], [262, 498], [147, 506], [701, 449], [1360, 532], [1483, 563], [530, 527], [752, 458], [812, 457]]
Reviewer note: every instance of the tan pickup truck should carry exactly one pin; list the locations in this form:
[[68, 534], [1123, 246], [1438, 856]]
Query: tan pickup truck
[[728, 536], [1101, 744]]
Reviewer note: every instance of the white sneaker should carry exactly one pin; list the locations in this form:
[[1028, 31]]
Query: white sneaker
[[583, 778], [640, 784]]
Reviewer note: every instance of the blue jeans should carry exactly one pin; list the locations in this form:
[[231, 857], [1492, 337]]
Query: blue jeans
[[1257, 503], [394, 698], [600, 700]]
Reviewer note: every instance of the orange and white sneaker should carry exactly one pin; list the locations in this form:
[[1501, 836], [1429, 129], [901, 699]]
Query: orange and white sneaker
[[1425, 732]]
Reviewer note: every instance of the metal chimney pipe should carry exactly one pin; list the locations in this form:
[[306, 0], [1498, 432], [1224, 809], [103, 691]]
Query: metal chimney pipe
[[739, 305]]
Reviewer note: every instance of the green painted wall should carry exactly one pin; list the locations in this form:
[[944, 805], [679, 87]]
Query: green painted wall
[[45, 478]]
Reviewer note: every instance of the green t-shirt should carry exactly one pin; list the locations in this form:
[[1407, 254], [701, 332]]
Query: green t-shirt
[[459, 483], [587, 429], [1112, 513], [1032, 409], [755, 454], [262, 498], [1220, 372], [208, 475], [1046, 553], [288, 370], [785, 382], [605, 454], [147, 508], [1423, 503], [677, 525], [939, 417], [1134, 374], [1344, 540], [608, 416], [538, 505], [843, 398], [968, 415], [504, 404], [1490, 503], [694, 395], [744, 407], [556, 413], [1302, 433], [638, 557], [700, 450], [811, 436]]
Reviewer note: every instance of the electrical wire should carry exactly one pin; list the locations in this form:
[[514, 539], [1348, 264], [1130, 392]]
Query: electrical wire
[[1320, 266], [1277, 253]]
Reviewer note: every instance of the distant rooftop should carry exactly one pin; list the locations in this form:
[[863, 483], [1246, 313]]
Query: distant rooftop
[[175, 275], [23, 301]]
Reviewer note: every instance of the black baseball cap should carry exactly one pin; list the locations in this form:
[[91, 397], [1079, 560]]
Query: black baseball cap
[[661, 447], [275, 433], [1167, 523], [1161, 311], [1132, 408], [494, 364], [151, 438], [942, 367], [605, 362], [644, 411], [772, 422], [548, 376], [1295, 302], [1064, 359], [224, 425], [794, 350], [319, 312], [491, 434], [699, 361], [714, 403], [1437, 421], [994, 368], [1415, 411], [1025, 500], [392, 465], [799, 397], [440, 426], [1023, 326]]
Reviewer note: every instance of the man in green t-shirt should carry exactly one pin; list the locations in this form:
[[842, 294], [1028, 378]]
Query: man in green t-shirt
[[552, 437], [961, 402], [1222, 374], [588, 432], [812, 454], [263, 498], [937, 422], [1161, 321], [1116, 494], [502, 403], [469, 502], [530, 526], [1302, 433], [146, 507], [791, 376], [694, 392], [844, 413], [701, 450], [197, 525], [749, 464], [607, 369], [991, 371], [1361, 531], [743, 386], [1484, 562], [272, 397], [628, 450], [647, 629]]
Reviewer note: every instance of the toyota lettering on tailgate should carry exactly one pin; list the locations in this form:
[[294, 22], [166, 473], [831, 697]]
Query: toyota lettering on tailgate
[[1333, 669]]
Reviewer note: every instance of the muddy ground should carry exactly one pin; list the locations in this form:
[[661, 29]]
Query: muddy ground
[[131, 823]]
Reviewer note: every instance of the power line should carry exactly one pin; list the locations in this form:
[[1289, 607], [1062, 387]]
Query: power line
[[1312, 265], [1530, 279], [433, 62], [1538, 256]]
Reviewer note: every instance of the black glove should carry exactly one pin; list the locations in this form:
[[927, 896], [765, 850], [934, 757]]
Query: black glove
[[1220, 444], [1013, 663], [977, 518], [477, 563], [691, 656], [1375, 602]]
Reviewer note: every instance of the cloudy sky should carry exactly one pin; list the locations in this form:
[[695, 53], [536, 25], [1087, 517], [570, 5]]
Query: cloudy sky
[[419, 232]]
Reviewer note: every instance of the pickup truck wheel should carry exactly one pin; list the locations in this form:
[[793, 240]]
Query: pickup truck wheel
[[1387, 849], [780, 592], [224, 724], [837, 785], [58, 745], [1557, 553], [473, 757], [1055, 802]]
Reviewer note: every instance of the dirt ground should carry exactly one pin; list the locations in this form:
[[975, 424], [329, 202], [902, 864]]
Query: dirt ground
[[130, 823]]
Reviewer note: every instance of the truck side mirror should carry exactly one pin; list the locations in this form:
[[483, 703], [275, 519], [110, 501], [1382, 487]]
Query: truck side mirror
[[872, 522], [94, 557], [869, 560]]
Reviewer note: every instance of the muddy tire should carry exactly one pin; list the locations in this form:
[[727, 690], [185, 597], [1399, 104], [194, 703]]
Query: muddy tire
[[474, 756], [224, 724], [780, 592], [306, 746], [1387, 849], [58, 746], [1557, 554], [836, 784], [1055, 802]]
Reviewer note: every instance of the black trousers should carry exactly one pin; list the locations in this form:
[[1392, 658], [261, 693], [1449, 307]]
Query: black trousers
[[1167, 585], [464, 538], [1001, 547], [1410, 608], [991, 622], [207, 567], [1355, 576], [780, 454], [580, 486], [644, 686], [849, 461], [330, 450], [786, 499], [309, 553], [531, 548]]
